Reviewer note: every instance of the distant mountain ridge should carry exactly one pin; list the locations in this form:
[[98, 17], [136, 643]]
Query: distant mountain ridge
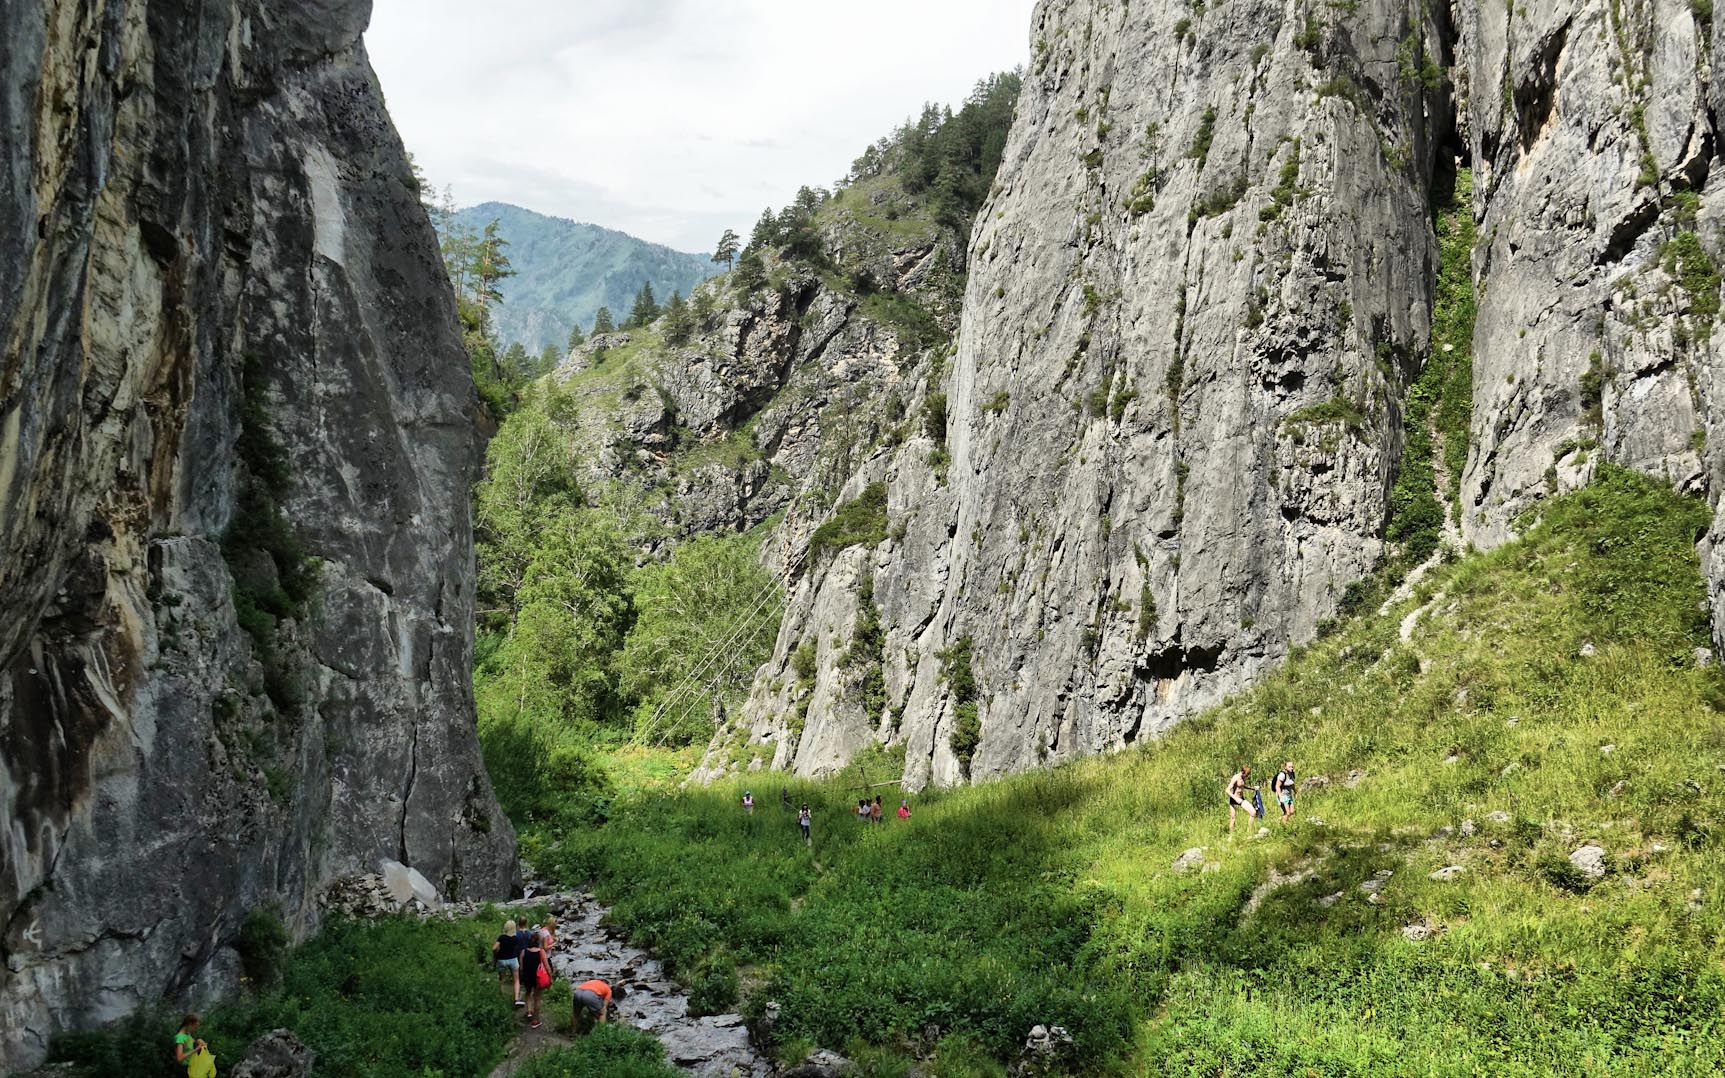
[[566, 270]]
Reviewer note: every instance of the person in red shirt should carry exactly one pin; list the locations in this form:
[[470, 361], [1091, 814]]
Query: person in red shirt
[[593, 1002], [904, 810]]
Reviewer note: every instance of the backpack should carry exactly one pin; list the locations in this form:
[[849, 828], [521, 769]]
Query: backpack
[[201, 1065], [542, 976]]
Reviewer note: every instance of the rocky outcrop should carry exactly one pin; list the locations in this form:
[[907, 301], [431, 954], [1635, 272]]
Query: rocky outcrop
[[1197, 301], [235, 436], [1195, 304], [1591, 128]]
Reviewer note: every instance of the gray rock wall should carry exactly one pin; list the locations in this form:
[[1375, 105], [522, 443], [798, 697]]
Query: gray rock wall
[[1195, 302], [218, 293], [1593, 142]]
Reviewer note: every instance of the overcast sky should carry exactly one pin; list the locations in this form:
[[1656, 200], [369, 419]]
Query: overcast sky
[[671, 119]]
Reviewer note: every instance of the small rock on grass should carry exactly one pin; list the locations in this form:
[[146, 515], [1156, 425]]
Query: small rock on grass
[[1417, 933], [1189, 860], [1589, 860], [1447, 873]]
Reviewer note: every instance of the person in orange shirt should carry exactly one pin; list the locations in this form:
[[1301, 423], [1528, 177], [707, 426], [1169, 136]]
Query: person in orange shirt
[[593, 998]]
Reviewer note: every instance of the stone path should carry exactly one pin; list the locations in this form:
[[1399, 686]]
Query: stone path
[[716, 1046]]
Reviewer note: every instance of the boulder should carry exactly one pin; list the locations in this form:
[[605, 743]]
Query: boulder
[[821, 1064], [1447, 873], [1418, 933], [276, 1054], [407, 885], [1589, 860], [1189, 860]]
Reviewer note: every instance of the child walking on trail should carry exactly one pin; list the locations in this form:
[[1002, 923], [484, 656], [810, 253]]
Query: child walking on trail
[[535, 978], [506, 952], [805, 821], [1236, 793], [1284, 786]]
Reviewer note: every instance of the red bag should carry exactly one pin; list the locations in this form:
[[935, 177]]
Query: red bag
[[543, 977]]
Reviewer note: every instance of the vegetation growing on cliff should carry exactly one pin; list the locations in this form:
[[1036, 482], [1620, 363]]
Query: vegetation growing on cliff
[[1547, 698]]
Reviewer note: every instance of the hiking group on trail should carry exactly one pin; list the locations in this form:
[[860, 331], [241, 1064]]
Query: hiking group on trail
[[1283, 788], [522, 957]]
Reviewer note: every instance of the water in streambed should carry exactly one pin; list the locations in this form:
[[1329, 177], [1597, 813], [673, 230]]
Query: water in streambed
[[713, 1046]]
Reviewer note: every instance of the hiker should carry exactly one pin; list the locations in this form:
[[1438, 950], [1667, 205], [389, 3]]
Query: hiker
[[506, 953], [548, 934], [1283, 786], [876, 812], [863, 812], [749, 802], [186, 1040], [805, 821], [592, 1004], [536, 977], [904, 810], [1236, 791]]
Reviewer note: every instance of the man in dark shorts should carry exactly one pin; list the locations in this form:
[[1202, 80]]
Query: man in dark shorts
[[593, 1004]]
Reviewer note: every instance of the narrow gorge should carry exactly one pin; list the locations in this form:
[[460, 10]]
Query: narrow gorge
[[1105, 400]]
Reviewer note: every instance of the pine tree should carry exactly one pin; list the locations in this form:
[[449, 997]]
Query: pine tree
[[766, 233], [751, 275], [704, 309], [515, 361], [490, 267], [646, 308], [729, 244], [576, 337], [679, 322], [602, 322]]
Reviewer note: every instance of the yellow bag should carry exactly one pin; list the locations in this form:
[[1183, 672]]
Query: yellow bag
[[201, 1065]]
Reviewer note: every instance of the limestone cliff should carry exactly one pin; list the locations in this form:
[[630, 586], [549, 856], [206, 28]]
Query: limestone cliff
[[1195, 304], [1199, 301], [236, 441]]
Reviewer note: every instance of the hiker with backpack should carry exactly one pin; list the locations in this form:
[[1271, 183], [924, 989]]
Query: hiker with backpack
[[1284, 787], [536, 978], [1236, 794], [506, 953]]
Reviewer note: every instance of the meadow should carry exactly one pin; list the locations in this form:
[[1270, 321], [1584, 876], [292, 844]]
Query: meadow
[[1549, 695]]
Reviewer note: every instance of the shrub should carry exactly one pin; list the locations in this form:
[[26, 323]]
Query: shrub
[[261, 943], [610, 1051], [861, 521]]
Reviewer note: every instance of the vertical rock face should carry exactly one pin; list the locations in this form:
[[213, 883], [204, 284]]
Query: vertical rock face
[[1593, 142], [1196, 300], [235, 449]]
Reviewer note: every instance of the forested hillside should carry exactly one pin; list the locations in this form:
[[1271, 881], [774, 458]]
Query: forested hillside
[[565, 271], [628, 588]]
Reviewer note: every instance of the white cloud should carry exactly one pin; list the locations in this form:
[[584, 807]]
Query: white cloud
[[671, 119]]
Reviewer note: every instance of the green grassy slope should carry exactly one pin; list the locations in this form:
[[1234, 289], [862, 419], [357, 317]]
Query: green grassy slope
[[565, 271], [1548, 696]]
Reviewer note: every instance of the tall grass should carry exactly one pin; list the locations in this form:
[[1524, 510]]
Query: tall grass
[[1049, 898]]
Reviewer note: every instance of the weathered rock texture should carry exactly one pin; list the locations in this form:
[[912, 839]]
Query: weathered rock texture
[[1194, 305], [1593, 138], [224, 315]]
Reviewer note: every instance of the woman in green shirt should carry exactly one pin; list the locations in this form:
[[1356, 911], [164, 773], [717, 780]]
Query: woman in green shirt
[[186, 1040]]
